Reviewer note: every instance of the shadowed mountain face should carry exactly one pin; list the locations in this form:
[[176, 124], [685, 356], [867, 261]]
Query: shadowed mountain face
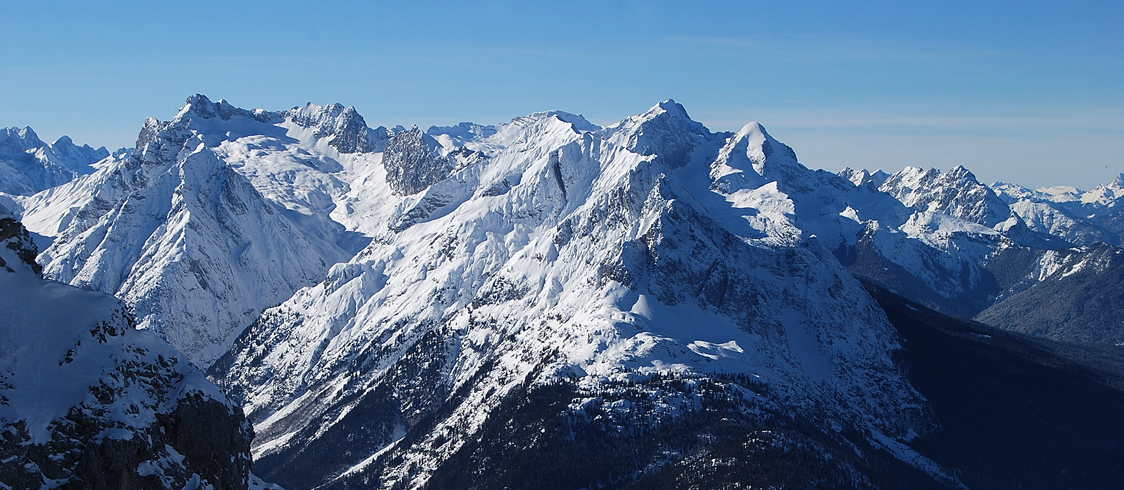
[[1073, 295], [1012, 411]]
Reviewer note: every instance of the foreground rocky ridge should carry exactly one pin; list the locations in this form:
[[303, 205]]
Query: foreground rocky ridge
[[88, 402]]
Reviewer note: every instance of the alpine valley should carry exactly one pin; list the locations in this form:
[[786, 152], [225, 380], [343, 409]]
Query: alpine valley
[[544, 303]]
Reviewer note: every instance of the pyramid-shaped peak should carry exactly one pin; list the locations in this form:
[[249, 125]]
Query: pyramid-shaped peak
[[1118, 182], [751, 130], [959, 172], [670, 107]]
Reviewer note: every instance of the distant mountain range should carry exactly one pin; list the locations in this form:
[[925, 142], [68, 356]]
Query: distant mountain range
[[548, 303]]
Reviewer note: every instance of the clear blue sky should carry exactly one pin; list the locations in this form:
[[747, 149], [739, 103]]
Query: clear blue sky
[[1026, 92]]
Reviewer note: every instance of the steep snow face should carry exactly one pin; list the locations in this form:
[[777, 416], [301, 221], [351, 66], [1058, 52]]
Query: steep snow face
[[87, 401], [28, 165], [180, 231], [956, 193], [569, 252]]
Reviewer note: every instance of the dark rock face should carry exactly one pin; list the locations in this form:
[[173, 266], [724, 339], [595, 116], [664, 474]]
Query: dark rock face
[[412, 162], [214, 439], [1013, 411], [17, 239], [201, 441]]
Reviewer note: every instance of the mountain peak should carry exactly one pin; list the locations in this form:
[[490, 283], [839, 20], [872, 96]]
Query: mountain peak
[[578, 121], [19, 139], [665, 130], [863, 176], [956, 193], [347, 130], [1118, 182], [676, 110], [201, 106], [761, 143], [960, 173], [672, 105]]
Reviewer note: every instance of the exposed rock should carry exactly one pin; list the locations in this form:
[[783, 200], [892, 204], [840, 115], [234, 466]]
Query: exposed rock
[[413, 162]]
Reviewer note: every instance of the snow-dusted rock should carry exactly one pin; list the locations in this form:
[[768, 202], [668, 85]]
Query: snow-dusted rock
[[1079, 217]]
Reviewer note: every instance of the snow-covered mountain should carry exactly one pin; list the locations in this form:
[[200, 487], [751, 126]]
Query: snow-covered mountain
[[1033, 279], [956, 193], [1080, 217], [28, 165], [88, 402], [406, 308], [602, 259], [216, 215]]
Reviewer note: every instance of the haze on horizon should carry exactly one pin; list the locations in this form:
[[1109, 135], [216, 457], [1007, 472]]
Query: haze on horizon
[[1017, 92]]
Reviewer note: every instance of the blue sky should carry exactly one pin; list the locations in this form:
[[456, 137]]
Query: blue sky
[[1027, 92]]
